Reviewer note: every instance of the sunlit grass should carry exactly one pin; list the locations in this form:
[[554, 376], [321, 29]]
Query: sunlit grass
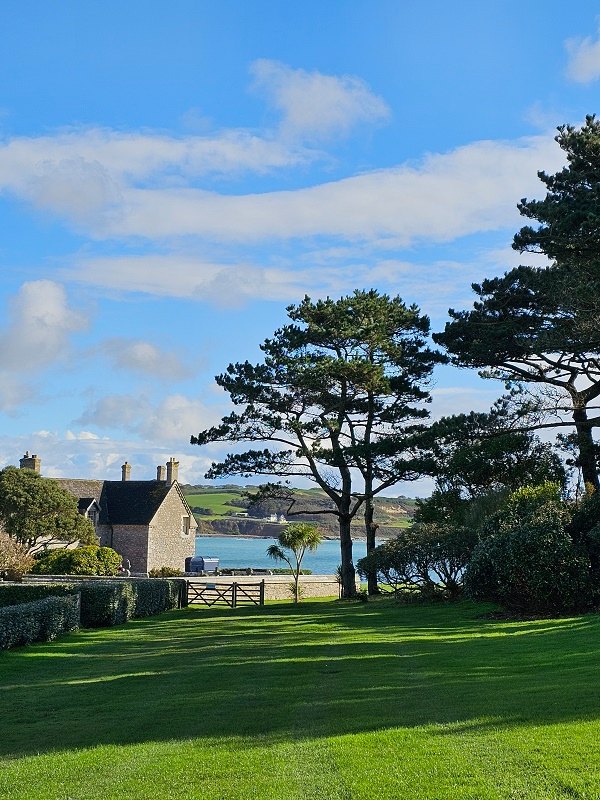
[[328, 700]]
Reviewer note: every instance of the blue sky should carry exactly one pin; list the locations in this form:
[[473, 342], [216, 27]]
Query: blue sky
[[172, 175]]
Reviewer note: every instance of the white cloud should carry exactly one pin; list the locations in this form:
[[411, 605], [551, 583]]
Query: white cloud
[[317, 106], [171, 421], [584, 59], [40, 324], [137, 355], [470, 189], [77, 455]]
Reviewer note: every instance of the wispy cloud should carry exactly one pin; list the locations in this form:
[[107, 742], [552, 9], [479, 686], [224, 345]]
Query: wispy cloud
[[584, 58], [145, 358], [315, 106]]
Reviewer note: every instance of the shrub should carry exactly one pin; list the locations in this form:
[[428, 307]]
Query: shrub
[[166, 572], [15, 561], [527, 560], [38, 621], [88, 560], [428, 558]]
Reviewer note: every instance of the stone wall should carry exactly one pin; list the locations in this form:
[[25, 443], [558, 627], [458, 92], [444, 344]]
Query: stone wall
[[168, 545], [131, 542]]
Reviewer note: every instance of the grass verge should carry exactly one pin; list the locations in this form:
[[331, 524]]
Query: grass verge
[[329, 700]]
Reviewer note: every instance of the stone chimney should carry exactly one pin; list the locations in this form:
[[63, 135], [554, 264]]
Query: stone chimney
[[172, 471], [161, 473], [31, 462], [126, 472]]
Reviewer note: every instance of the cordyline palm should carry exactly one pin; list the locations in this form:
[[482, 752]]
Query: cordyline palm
[[297, 538]]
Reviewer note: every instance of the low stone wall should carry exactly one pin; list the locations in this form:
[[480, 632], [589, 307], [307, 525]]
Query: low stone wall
[[277, 587]]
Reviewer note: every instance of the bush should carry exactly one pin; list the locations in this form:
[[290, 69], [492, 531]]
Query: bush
[[88, 560], [166, 572], [38, 621], [15, 561], [427, 558], [527, 560]]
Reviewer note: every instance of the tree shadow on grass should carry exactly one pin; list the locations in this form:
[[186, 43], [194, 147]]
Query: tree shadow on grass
[[282, 672]]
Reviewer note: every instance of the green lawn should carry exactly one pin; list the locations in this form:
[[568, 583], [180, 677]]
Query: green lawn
[[330, 700]]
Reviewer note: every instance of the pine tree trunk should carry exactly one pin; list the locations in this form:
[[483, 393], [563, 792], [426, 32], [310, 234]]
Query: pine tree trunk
[[370, 530], [348, 572], [587, 458]]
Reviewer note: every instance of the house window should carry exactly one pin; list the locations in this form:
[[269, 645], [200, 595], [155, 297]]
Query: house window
[[185, 526]]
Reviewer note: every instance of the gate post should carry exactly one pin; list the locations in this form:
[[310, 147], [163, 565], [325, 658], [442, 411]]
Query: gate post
[[234, 595], [262, 592]]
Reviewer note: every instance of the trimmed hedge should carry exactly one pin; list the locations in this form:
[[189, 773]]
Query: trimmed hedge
[[106, 603], [12, 594], [38, 621]]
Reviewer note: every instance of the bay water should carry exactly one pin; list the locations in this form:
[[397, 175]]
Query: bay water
[[236, 552]]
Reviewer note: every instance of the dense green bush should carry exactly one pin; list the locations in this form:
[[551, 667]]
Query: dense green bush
[[427, 558], [38, 621], [88, 560], [527, 560]]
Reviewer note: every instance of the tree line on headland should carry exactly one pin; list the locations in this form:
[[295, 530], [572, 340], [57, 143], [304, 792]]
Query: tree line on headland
[[341, 398]]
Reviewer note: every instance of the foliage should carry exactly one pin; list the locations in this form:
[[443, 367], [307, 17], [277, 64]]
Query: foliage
[[342, 388], [38, 621], [15, 561], [297, 539], [428, 558], [105, 602], [477, 453], [527, 560], [166, 572], [540, 326], [88, 560], [569, 216], [37, 511], [109, 603], [12, 594]]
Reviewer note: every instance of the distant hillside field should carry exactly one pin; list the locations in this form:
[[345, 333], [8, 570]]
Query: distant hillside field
[[228, 510]]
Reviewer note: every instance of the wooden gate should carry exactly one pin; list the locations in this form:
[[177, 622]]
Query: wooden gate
[[230, 594]]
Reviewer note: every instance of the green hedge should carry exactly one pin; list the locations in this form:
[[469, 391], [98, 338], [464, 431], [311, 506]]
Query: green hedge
[[88, 560], [105, 603], [38, 621], [12, 594]]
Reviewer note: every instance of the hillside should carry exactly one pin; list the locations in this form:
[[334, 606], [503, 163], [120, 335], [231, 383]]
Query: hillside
[[227, 510]]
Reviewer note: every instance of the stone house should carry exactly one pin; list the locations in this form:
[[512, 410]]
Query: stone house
[[149, 523]]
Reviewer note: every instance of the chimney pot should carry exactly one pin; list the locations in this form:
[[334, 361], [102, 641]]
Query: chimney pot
[[161, 473], [126, 472]]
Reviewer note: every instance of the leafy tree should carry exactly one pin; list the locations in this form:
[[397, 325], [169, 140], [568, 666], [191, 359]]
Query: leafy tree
[[540, 326], [297, 539], [569, 215], [520, 331], [477, 453], [340, 396], [38, 512]]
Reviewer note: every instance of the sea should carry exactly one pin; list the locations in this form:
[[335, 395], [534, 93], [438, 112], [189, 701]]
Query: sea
[[236, 552]]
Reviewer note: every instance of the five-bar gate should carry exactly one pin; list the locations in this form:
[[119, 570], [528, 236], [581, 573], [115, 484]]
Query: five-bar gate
[[230, 594]]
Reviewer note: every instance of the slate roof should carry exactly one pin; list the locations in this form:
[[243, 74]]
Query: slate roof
[[121, 502]]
